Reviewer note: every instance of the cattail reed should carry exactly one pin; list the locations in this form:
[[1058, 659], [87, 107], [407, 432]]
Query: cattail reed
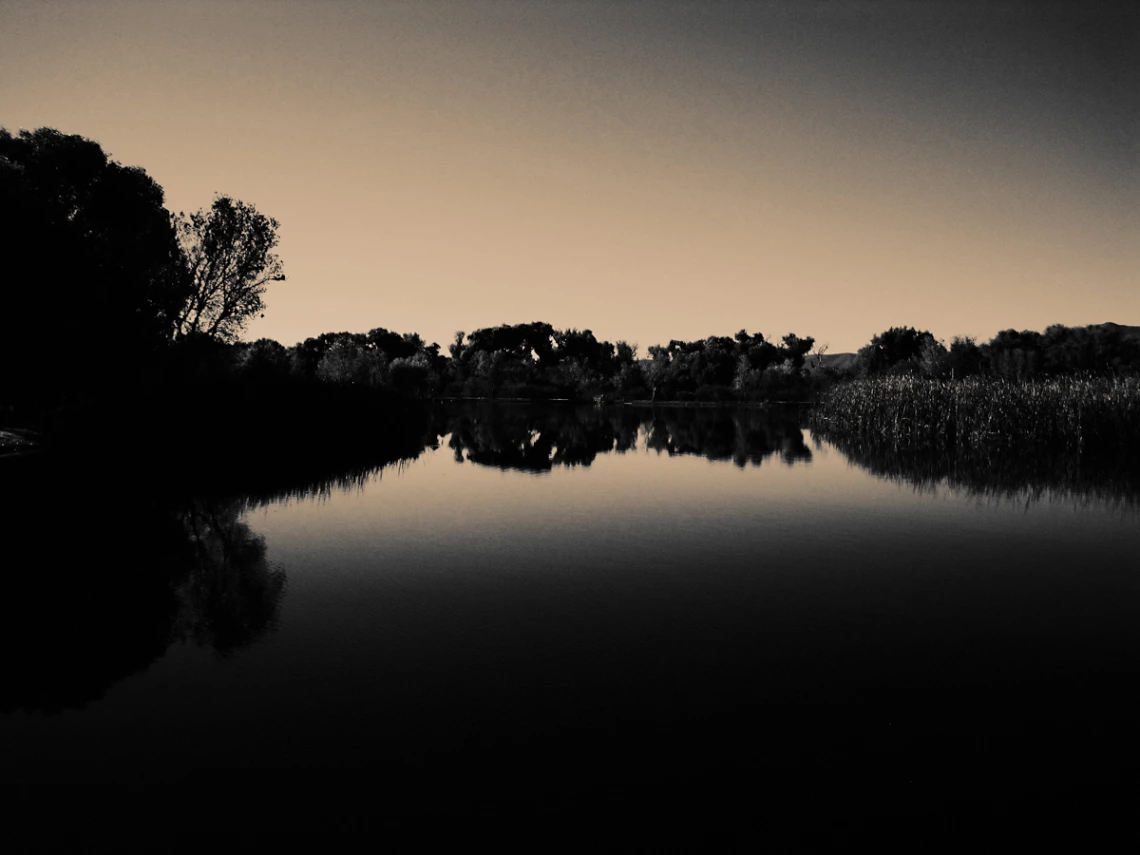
[[1074, 414]]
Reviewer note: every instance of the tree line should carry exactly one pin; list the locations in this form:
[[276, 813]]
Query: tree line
[[534, 360], [111, 299], [1011, 354]]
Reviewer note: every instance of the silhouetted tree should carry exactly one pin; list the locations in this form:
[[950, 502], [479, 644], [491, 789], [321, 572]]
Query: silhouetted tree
[[265, 361], [229, 260], [1013, 354], [350, 363], [897, 349], [797, 348], [965, 357], [90, 261], [1101, 348]]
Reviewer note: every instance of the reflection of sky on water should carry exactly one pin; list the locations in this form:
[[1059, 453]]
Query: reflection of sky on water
[[649, 587]]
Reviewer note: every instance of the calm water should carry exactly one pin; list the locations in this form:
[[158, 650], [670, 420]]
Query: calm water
[[593, 605]]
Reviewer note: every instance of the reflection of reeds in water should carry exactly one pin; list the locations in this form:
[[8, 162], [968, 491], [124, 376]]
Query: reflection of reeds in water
[[320, 473], [1019, 474], [1064, 438], [318, 487]]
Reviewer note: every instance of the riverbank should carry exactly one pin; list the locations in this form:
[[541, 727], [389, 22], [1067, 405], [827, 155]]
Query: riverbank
[[708, 405]]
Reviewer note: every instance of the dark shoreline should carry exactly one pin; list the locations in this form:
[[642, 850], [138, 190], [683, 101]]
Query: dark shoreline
[[711, 405]]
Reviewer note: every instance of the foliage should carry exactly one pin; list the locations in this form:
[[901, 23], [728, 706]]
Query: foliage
[[89, 251], [228, 261], [899, 350], [718, 368], [379, 359], [536, 360], [1100, 348]]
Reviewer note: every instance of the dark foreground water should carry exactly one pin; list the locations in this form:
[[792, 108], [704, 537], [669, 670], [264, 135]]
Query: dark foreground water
[[601, 610]]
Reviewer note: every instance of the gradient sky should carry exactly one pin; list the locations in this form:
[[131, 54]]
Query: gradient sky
[[649, 170]]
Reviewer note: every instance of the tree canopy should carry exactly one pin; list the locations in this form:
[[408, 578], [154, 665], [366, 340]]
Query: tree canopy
[[91, 262], [228, 261]]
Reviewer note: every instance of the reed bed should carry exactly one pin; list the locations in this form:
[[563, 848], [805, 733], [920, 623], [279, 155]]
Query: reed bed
[[1081, 414]]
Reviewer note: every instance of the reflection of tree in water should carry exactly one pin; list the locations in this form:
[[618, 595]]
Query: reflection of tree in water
[[1024, 473], [108, 561], [104, 572], [101, 594], [229, 594], [744, 436], [533, 438], [87, 601]]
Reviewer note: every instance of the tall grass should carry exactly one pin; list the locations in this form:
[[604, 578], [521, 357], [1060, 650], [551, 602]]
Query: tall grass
[[1081, 414]]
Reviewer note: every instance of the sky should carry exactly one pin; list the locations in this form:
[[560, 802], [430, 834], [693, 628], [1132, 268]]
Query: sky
[[647, 170]]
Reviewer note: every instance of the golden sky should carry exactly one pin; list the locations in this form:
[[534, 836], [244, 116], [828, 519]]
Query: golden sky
[[649, 170]]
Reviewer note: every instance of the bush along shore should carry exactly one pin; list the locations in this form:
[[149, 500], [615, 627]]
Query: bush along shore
[[1070, 414]]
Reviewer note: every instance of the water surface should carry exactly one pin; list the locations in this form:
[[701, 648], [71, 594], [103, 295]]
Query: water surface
[[585, 604]]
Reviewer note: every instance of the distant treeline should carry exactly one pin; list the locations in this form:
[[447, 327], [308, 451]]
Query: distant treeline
[[534, 361], [122, 319], [1098, 349], [538, 361], [1072, 392]]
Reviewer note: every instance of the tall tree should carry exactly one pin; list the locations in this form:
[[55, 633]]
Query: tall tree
[[229, 261], [897, 348], [90, 264]]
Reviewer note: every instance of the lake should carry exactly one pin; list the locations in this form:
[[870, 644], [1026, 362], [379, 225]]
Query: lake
[[559, 606]]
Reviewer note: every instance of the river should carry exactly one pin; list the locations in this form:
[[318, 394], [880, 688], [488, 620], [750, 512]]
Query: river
[[585, 606]]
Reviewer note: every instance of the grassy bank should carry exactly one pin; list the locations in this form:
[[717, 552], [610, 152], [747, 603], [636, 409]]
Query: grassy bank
[[1099, 415]]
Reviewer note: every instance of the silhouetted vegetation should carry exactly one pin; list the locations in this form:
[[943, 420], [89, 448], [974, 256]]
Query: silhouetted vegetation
[[746, 367], [1096, 349], [90, 255], [228, 260], [1065, 432], [147, 309], [1070, 391], [537, 361]]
